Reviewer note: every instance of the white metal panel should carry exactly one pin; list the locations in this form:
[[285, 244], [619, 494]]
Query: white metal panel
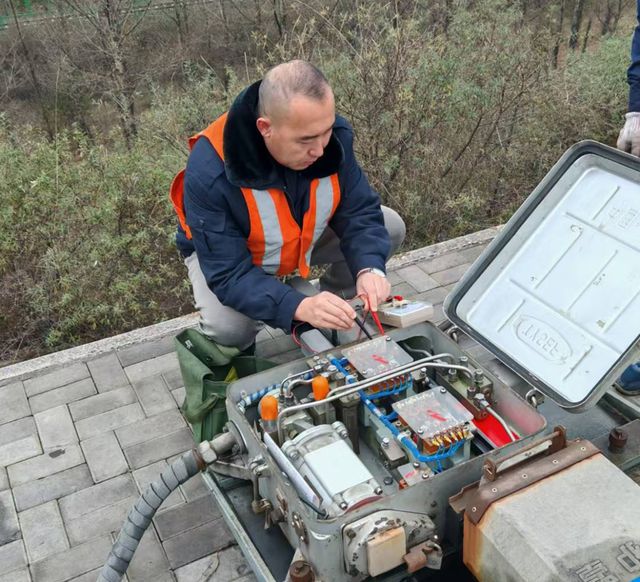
[[562, 297]]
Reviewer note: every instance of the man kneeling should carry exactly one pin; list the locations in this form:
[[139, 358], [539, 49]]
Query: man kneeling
[[271, 187]]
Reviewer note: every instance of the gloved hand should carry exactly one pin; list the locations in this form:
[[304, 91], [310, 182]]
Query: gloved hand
[[629, 138]]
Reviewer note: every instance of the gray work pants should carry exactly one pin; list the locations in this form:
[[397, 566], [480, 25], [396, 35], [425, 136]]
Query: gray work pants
[[229, 327]]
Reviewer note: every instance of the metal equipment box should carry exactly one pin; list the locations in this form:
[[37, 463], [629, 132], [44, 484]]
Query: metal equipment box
[[335, 496]]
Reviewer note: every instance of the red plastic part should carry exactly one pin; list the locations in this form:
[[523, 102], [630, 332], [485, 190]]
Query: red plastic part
[[493, 430]]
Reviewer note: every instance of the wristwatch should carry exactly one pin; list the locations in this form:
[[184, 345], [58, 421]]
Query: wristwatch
[[373, 270]]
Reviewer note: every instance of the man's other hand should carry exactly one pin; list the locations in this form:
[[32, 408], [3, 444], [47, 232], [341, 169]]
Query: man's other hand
[[326, 310], [629, 138], [376, 289]]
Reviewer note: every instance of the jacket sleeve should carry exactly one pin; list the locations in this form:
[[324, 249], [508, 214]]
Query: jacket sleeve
[[358, 220], [225, 260], [633, 73]]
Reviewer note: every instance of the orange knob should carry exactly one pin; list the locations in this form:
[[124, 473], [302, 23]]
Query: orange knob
[[320, 387], [269, 408]]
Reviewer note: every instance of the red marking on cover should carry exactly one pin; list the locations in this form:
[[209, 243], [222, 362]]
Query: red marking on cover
[[436, 415]]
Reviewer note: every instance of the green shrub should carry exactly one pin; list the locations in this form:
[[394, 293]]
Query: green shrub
[[457, 118], [86, 241]]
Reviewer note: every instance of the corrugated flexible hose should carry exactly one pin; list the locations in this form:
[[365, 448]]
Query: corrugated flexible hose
[[140, 515]]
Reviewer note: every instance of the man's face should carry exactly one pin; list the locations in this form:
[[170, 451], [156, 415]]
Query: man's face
[[297, 135]]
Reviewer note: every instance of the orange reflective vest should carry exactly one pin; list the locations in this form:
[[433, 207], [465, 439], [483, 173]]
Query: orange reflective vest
[[276, 241]]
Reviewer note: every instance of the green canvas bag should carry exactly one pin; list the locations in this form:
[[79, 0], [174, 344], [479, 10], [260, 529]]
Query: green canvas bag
[[207, 370]]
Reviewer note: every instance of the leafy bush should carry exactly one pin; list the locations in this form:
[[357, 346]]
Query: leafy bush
[[86, 241], [456, 125], [457, 118]]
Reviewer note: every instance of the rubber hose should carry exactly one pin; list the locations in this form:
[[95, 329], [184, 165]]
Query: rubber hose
[[140, 516]]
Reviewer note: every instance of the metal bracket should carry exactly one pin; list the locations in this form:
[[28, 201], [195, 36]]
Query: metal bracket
[[425, 555], [548, 444], [299, 527], [231, 469]]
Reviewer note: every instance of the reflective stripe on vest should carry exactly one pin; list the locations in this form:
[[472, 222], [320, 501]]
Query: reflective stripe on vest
[[276, 241]]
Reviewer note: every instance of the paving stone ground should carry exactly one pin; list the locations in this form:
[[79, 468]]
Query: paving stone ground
[[79, 443]]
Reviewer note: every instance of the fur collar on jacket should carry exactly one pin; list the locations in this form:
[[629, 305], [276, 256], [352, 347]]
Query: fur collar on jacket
[[247, 161]]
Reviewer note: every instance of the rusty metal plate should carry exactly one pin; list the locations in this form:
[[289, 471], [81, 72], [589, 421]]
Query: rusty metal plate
[[477, 498]]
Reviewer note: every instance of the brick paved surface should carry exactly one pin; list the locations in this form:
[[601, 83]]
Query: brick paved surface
[[79, 443]]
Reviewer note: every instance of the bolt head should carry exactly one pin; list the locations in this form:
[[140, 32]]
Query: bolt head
[[344, 505], [617, 440]]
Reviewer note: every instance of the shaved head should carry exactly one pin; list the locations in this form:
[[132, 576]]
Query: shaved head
[[296, 114], [285, 81]]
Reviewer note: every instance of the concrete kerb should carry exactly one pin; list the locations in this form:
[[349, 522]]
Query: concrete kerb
[[449, 246], [90, 351]]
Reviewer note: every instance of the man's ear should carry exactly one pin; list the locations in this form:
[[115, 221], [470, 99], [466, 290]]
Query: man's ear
[[264, 126]]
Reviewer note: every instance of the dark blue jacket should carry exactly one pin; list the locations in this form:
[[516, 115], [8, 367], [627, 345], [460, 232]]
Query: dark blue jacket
[[633, 73], [219, 220]]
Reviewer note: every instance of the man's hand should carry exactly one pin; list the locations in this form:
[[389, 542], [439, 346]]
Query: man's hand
[[374, 287], [326, 310], [629, 138]]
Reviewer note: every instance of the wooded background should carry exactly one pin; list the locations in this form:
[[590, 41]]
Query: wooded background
[[459, 107]]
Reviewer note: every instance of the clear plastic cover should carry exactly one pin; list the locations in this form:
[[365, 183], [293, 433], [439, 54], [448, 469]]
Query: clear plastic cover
[[376, 356], [433, 413]]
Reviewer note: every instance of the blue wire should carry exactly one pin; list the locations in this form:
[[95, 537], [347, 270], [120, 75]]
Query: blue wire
[[403, 386], [338, 364], [408, 443], [405, 440]]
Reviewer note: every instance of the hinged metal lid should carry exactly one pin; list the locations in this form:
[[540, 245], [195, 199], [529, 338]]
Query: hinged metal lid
[[556, 295]]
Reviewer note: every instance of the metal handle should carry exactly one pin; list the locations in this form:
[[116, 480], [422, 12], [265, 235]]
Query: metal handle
[[556, 441]]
